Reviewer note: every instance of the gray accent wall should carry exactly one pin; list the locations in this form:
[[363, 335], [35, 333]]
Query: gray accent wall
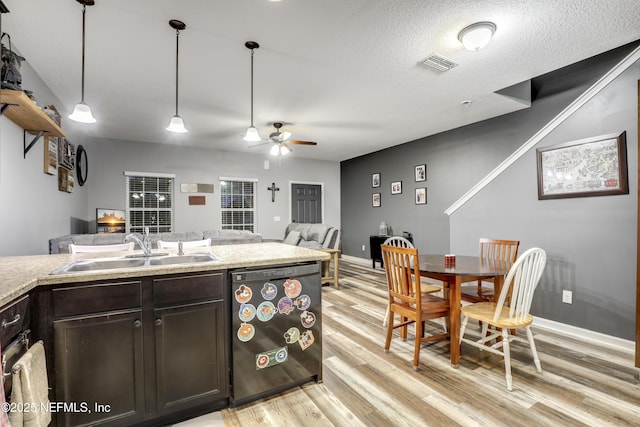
[[590, 241]]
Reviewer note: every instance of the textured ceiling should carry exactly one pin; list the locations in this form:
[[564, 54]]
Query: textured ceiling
[[343, 73]]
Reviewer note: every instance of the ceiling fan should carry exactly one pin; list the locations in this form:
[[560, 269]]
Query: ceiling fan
[[281, 142]]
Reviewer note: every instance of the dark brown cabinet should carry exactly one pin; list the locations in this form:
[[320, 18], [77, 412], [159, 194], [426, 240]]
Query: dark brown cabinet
[[376, 252], [137, 352]]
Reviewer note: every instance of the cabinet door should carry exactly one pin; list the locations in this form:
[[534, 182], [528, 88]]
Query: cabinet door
[[191, 355], [99, 361]]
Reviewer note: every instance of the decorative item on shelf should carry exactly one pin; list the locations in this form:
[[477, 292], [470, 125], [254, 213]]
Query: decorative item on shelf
[[66, 154], [252, 133], [65, 180], [82, 112], [383, 230], [11, 62], [177, 124], [52, 112], [50, 155]]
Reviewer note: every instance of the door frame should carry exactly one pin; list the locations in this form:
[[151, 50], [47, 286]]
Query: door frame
[[637, 361], [321, 184]]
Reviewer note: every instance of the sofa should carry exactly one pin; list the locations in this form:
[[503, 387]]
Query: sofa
[[218, 237], [312, 236]]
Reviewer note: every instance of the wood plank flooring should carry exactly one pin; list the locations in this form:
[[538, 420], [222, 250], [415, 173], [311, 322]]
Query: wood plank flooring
[[581, 384]]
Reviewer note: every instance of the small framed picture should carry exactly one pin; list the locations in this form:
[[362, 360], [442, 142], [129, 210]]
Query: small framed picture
[[396, 187], [375, 200], [421, 173], [421, 196], [375, 180]]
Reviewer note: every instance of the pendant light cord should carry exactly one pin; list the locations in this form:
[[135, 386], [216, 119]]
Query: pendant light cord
[[84, 12], [177, 50], [251, 87]]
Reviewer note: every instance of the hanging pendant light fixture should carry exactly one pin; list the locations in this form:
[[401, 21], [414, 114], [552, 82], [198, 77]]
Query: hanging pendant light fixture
[[177, 124], [252, 132], [82, 112]]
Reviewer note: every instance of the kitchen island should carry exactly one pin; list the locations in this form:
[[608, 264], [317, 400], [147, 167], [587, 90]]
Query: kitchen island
[[150, 344]]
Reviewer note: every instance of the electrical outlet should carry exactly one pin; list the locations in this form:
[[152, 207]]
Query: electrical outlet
[[567, 297], [363, 248]]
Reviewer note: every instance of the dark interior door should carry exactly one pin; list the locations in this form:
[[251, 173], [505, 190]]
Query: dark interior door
[[306, 203]]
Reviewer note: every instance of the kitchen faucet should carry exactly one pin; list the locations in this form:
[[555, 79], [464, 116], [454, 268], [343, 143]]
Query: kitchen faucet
[[144, 244]]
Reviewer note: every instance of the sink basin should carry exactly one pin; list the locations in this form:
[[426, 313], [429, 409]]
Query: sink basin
[[102, 264], [183, 259]]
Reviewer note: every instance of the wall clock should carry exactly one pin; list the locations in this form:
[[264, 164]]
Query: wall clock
[[82, 165]]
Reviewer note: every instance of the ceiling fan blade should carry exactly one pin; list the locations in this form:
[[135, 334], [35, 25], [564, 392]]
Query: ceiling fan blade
[[302, 142], [259, 145]]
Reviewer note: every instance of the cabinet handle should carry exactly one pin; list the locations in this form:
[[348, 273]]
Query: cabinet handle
[[15, 320], [137, 324], [158, 322]]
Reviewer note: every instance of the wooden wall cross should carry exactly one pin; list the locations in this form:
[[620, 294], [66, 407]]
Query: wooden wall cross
[[273, 190]]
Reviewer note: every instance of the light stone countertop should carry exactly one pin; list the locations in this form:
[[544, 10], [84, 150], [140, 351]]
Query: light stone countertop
[[20, 274]]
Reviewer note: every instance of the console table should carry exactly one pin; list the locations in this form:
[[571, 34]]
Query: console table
[[376, 252]]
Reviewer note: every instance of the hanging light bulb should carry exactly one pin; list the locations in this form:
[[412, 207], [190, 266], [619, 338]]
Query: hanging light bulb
[[274, 150], [177, 124], [284, 150], [81, 112], [252, 133]]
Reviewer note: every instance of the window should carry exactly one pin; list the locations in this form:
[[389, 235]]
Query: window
[[149, 202], [237, 204]]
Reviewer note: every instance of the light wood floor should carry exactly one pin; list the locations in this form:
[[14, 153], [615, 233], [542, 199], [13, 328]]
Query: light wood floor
[[581, 384]]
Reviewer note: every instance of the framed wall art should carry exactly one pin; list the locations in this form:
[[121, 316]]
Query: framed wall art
[[396, 187], [588, 167], [421, 196], [50, 155], [375, 180], [375, 200], [421, 173]]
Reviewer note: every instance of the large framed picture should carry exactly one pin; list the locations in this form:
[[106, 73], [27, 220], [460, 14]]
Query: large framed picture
[[375, 180], [375, 200], [421, 196], [421, 173], [588, 167], [396, 187]]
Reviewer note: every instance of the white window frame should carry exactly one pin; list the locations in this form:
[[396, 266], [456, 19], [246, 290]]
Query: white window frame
[[130, 209], [254, 210]]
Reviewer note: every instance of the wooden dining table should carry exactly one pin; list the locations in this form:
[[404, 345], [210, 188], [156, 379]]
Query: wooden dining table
[[465, 269]]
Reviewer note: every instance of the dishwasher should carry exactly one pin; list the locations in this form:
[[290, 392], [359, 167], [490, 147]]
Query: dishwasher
[[276, 330]]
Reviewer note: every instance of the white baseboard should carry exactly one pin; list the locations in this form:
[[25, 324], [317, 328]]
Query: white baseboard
[[585, 334], [553, 326]]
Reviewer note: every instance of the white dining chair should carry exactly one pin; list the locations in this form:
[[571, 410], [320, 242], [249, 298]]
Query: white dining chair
[[498, 318], [120, 247], [188, 244]]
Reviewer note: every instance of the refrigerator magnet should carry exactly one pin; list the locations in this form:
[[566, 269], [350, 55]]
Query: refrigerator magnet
[[266, 310], [292, 335], [302, 302], [269, 291], [243, 294], [306, 339], [247, 312], [245, 332], [292, 288], [285, 305], [308, 319]]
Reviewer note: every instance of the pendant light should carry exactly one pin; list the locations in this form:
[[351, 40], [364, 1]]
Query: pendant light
[[177, 124], [82, 112], [252, 132]]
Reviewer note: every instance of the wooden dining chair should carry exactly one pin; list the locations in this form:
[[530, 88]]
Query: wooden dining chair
[[403, 279], [120, 247], [401, 242], [504, 250], [498, 317]]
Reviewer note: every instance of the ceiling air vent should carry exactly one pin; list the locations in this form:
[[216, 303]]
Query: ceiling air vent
[[437, 62]]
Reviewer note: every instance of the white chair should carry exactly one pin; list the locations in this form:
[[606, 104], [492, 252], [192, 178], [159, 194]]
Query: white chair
[[121, 247], [401, 242], [498, 317], [188, 244]]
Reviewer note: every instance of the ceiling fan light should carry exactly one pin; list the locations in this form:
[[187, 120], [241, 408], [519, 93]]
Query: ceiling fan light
[[476, 36], [82, 113], [284, 150], [274, 150], [177, 125], [285, 135], [252, 135]]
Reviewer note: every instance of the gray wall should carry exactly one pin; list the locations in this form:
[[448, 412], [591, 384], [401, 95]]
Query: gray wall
[[33, 210], [590, 241], [110, 158]]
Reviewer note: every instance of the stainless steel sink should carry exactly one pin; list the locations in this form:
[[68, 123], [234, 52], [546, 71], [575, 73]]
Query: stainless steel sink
[[103, 264], [183, 259]]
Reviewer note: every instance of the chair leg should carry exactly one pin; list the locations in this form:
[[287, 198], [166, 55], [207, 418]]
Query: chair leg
[[463, 326], [416, 351], [532, 344], [403, 330], [387, 342], [386, 316], [507, 357]]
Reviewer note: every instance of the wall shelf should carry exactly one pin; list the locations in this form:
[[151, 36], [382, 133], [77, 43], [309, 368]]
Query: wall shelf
[[17, 106]]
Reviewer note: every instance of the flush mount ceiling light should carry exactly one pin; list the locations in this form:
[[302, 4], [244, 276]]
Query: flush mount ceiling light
[[177, 124], [252, 132], [82, 112], [476, 36]]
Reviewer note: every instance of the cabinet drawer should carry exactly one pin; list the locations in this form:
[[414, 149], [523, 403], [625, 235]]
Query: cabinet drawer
[[13, 319], [96, 298], [188, 288]]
